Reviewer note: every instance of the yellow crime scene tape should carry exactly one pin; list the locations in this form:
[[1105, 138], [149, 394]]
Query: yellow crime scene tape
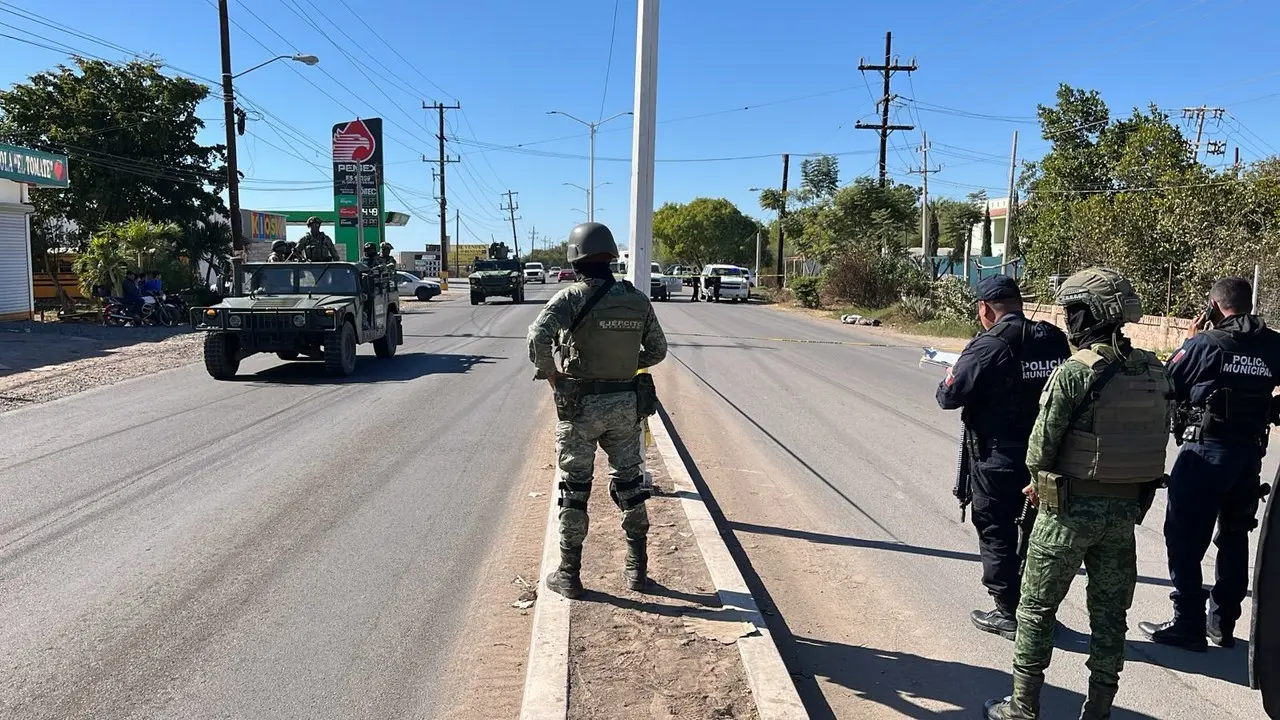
[[848, 343]]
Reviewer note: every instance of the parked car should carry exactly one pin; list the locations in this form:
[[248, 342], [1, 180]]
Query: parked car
[[554, 272], [567, 274], [685, 273], [661, 285], [412, 286], [733, 281], [535, 272]]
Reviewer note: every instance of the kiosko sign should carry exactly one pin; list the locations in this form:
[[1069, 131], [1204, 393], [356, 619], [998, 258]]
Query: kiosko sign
[[358, 195], [33, 166]]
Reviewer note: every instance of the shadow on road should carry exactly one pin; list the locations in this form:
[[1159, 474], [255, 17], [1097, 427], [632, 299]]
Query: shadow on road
[[31, 345], [400, 368]]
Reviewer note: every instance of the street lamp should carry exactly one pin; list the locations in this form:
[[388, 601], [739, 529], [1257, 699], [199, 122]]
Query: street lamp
[[591, 195], [586, 190], [584, 212], [229, 112]]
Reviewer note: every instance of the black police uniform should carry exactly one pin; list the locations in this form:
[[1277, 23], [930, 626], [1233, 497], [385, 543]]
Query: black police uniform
[[997, 381], [1226, 377]]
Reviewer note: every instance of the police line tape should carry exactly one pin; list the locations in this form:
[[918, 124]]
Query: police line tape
[[848, 343]]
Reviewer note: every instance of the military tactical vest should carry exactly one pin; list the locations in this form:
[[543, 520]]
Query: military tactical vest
[[1007, 413], [1247, 372], [606, 344], [1126, 441]]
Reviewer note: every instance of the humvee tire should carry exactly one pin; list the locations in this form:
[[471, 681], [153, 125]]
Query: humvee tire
[[476, 299], [340, 351], [220, 360], [287, 355], [385, 346]]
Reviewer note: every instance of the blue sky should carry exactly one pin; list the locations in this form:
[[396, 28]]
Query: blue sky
[[794, 69]]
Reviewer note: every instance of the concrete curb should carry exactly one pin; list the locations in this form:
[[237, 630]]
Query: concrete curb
[[546, 681], [774, 692]]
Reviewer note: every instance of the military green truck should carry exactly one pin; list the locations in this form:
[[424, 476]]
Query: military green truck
[[500, 275], [302, 310]]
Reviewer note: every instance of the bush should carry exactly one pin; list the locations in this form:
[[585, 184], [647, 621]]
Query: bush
[[808, 291], [953, 300], [918, 309], [873, 280]]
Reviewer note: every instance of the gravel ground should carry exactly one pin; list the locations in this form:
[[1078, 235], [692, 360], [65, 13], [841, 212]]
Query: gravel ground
[[109, 361]]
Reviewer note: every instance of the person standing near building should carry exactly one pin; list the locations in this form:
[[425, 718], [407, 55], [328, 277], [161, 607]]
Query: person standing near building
[[997, 381], [1223, 379], [588, 343], [1096, 456]]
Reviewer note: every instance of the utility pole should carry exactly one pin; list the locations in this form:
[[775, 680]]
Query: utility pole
[[229, 113], [444, 201], [512, 206], [643, 140], [782, 217], [887, 70], [533, 239], [757, 277], [925, 172], [1010, 208], [457, 234], [1199, 115]]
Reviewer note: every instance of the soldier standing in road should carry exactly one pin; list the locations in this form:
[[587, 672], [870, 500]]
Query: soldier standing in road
[[316, 246], [997, 381], [1223, 379], [1096, 457], [588, 343]]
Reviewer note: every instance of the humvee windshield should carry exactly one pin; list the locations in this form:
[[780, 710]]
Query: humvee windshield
[[295, 280], [485, 265]]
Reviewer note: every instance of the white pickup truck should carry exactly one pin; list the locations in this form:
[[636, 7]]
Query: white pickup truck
[[535, 272]]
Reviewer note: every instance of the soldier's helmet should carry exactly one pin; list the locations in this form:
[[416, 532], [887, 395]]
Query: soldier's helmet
[[591, 239], [386, 246], [313, 221], [1108, 295], [280, 246], [370, 249]]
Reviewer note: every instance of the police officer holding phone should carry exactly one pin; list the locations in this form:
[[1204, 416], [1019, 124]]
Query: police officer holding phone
[[997, 381], [1223, 380]]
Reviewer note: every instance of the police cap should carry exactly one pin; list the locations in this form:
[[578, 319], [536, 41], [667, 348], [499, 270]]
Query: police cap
[[998, 287], [590, 239]]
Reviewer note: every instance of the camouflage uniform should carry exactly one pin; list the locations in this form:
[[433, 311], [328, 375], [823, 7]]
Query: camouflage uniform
[[317, 247], [609, 420]]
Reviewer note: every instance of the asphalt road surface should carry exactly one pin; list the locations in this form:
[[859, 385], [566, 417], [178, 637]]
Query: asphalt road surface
[[834, 466], [281, 546]]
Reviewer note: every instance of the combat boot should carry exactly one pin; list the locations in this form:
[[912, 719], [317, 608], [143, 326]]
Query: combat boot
[[1178, 632], [1222, 633], [1023, 704], [636, 569], [1097, 705], [567, 579], [998, 621]]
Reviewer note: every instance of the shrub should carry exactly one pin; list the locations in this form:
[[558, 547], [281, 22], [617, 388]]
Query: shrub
[[808, 291], [953, 300], [873, 280], [919, 309]]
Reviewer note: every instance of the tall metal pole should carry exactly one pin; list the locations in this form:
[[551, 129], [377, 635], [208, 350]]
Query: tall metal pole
[[924, 198], [1008, 211], [591, 180], [642, 143], [757, 277], [229, 117]]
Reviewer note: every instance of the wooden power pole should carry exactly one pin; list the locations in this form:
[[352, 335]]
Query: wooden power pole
[[444, 202], [886, 70]]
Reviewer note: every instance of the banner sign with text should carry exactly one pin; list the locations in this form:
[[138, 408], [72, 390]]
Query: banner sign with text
[[33, 166], [358, 184]]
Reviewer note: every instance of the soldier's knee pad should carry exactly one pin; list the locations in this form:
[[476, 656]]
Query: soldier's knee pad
[[577, 488], [616, 490]]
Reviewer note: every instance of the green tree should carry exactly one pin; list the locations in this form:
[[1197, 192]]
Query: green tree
[[130, 132], [705, 230], [820, 176], [986, 231], [935, 233], [137, 244], [554, 256]]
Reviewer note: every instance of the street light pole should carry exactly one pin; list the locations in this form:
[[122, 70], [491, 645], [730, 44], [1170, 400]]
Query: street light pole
[[591, 126], [229, 116]]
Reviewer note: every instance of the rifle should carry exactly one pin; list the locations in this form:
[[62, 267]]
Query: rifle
[[963, 490], [1024, 533]]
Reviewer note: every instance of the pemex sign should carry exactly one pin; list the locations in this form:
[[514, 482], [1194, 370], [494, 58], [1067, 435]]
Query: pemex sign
[[33, 166], [359, 197]]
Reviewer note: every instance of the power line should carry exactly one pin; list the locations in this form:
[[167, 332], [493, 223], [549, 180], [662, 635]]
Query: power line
[[608, 66], [886, 70]]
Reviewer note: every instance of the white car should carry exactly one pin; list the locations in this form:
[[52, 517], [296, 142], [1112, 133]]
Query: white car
[[535, 272], [661, 285], [415, 287], [734, 281]]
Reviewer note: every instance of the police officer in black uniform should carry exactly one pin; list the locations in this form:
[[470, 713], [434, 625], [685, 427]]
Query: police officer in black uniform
[[1223, 379], [997, 381]]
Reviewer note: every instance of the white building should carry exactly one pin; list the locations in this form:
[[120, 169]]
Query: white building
[[21, 169], [999, 208]]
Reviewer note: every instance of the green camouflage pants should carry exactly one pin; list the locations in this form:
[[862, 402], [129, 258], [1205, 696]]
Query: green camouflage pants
[[1098, 532], [610, 421]]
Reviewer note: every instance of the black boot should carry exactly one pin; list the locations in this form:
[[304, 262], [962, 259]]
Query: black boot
[[636, 570], [1097, 705], [566, 579], [1221, 632], [1178, 632], [1023, 704], [999, 621]]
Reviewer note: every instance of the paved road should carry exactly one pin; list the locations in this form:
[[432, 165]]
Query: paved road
[[281, 546], [835, 466]]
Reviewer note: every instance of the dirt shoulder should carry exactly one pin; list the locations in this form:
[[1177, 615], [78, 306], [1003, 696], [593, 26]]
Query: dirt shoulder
[[883, 332], [651, 654]]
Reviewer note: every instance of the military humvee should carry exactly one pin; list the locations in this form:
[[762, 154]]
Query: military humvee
[[314, 311], [498, 276]]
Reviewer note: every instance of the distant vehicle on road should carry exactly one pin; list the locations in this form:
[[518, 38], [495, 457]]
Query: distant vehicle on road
[[320, 311], [496, 277], [534, 272], [662, 286], [733, 282], [554, 272], [416, 287], [568, 274], [687, 274]]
